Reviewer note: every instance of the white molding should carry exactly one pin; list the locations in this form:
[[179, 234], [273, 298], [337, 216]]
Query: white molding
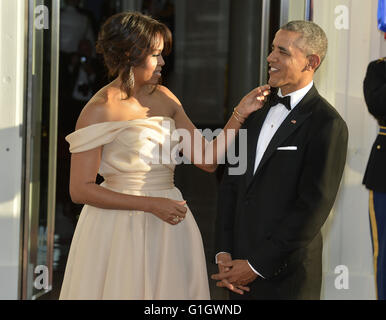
[[12, 59]]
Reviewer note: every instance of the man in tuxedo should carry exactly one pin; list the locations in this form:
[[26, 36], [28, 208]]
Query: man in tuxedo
[[268, 239]]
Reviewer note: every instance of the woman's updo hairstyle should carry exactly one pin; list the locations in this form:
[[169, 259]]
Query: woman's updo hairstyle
[[126, 39]]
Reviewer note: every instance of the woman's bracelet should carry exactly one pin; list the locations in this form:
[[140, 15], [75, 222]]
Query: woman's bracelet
[[238, 113], [238, 116]]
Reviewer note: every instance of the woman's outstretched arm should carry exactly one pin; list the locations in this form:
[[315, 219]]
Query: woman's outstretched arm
[[194, 145]]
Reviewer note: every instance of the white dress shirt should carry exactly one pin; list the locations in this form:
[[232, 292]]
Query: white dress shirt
[[274, 119], [272, 122]]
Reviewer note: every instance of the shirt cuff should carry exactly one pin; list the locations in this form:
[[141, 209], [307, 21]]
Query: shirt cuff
[[253, 269]]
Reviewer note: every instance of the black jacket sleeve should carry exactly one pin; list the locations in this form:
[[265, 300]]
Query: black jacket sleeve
[[226, 204], [374, 87]]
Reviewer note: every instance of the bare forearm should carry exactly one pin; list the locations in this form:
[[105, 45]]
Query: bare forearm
[[221, 143], [214, 151], [203, 151], [100, 197]]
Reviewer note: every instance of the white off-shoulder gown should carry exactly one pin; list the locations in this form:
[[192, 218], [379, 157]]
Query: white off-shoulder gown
[[126, 254]]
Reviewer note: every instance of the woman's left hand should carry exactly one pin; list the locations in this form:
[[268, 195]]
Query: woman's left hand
[[253, 101]]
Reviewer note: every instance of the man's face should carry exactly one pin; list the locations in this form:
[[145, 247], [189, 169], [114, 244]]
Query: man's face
[[288, 63]]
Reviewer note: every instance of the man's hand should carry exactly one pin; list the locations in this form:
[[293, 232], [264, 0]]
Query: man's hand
[[240, 273], [222, 260]]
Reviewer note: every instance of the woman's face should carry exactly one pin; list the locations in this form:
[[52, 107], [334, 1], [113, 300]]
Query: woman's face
[[149, 71]]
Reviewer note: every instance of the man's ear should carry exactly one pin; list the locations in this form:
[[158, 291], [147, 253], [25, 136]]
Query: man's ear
[[313, 62]]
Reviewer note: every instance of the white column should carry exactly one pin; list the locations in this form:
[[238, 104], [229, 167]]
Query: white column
[[340, 80], [12, 58]]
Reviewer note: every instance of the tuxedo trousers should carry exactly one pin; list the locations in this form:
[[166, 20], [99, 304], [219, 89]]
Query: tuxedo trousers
[[377, 210]]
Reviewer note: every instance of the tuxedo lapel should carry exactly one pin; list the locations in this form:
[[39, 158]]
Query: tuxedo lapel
[[293, 121], [254, 129], [289, 125]]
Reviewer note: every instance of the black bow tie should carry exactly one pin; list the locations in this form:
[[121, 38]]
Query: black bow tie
[[275, 99]]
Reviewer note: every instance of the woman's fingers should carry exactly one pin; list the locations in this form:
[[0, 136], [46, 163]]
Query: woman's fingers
[[263, 92], [179, 212], [259, 94], [171, 211], [180, 207], [174, 220], [266, 87]]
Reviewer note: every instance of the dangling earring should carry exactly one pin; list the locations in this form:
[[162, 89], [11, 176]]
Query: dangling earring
[[131, 78]]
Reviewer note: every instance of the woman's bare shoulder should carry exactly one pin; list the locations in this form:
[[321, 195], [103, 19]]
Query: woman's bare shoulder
[[168, 100], [97, 110], [167, 94]]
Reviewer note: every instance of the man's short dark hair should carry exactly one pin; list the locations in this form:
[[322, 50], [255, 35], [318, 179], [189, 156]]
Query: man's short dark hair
[[313, 37]]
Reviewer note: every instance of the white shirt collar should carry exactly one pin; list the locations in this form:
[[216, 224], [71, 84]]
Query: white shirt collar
[[297, 95]]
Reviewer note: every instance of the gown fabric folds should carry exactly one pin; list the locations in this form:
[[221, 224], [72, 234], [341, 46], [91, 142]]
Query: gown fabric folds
[[127, 254]]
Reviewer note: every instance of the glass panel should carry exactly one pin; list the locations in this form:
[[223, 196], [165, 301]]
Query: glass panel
[[75, 89], [198, 76], [40, 151]]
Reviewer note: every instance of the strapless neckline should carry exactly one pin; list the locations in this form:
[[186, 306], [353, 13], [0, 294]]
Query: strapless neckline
[[148, 118], [125, 121], [138, 119]]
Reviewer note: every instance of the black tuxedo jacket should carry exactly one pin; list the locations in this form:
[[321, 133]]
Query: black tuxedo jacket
[[273, 218], [374, 87]]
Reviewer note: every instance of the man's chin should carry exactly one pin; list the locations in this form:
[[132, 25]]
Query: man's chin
[[273, 84]]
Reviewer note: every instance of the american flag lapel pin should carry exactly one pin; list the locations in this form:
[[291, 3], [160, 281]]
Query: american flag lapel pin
[[293, 121]]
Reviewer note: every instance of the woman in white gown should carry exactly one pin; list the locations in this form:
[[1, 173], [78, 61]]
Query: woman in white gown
[[136, 238]]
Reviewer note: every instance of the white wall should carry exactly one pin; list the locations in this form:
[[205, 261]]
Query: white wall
[[340, 81], [296, 10], [12, 59]]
